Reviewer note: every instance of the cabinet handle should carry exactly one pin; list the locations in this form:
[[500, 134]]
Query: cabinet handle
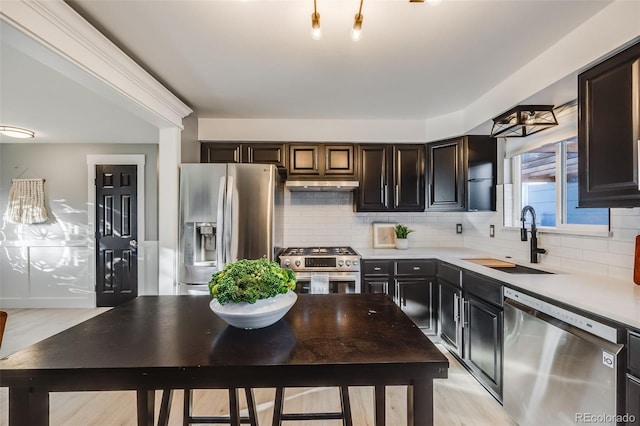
[[382, 186], [463, 313], [416, 268], [385, 287], [377, 268], [386, 195], [396, 196], [456, 308]]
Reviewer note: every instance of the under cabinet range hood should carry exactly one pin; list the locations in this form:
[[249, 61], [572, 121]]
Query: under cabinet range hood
[[321, 185]]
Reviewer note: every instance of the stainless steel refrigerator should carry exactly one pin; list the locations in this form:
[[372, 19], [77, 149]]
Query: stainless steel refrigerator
[[227, 212]]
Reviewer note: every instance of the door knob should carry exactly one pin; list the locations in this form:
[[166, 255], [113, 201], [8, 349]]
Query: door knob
[[133, 243]]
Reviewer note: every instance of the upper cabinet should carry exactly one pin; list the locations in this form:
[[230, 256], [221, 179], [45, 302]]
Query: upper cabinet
[[609, 132], [240, 152], [391, 178], [322, 160], [462, 174]]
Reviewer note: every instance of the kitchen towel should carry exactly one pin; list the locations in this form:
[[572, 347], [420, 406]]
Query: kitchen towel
[[26, 202]]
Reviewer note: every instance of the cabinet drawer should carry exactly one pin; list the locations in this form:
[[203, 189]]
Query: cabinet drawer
[[415, 267], [376, 267], [484, 288], [450, 274], [634, 352]]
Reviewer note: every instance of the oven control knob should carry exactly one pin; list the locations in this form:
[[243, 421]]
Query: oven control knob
[[348, 263], [340, 263], [355, 263], [297, 262], [287, 263]]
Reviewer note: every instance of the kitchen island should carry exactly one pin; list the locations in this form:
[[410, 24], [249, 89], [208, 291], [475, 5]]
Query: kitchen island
[[166, 342]]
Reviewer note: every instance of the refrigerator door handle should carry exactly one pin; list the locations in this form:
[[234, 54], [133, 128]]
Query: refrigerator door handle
[[220, 225], [228, 219]]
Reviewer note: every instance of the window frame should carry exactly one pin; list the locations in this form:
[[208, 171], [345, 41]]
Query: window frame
[[561, 195]]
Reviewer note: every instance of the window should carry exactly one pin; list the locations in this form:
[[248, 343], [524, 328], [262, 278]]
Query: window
[[546, 178]]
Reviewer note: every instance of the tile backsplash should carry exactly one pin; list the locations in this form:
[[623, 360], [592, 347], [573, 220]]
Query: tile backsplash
[[328, 218]]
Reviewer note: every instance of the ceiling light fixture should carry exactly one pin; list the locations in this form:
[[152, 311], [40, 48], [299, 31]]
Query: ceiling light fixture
[[356, 33], [523, 120], [16, 132], [315, 23]]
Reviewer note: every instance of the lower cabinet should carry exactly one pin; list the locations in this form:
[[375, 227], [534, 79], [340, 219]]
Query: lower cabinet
[[411, 284], [471, 323], [450, 330], [633, 400], [483, 343]]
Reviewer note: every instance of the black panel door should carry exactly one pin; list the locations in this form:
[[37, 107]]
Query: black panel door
[[116, 234], [609, 132], [483, 343], [415, 297], [633, 400], [446, 175], [408, 185], [374, 186], [450, 330]]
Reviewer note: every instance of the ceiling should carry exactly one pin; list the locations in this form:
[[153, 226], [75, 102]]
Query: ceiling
[[256, 59]]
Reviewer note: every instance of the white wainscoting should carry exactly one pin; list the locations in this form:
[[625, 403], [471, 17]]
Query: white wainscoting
[[61, 276]]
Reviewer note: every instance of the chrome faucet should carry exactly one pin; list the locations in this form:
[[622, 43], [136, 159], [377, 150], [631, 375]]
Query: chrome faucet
[[534, 237]]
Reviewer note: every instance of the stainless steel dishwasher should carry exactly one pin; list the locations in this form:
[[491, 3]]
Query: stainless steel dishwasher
[[559, 367]]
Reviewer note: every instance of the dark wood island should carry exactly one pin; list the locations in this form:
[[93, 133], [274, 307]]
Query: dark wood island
[[173, 342]]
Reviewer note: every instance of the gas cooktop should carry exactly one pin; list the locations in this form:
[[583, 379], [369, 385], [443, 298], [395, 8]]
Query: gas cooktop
[[319, 251]]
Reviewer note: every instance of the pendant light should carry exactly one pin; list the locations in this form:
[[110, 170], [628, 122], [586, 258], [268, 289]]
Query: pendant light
[[356, 33], [315, 23], [523, 120]]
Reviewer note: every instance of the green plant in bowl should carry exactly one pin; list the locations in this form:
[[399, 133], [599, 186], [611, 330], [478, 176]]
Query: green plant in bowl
[[248, 280]]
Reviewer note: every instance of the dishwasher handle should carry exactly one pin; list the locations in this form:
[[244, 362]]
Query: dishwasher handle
[[602, 342]]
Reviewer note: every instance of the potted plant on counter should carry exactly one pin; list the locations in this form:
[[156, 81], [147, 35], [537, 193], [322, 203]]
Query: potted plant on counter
[[402, 235]]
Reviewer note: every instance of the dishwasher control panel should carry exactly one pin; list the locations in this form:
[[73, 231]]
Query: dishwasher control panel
[[601, 330]]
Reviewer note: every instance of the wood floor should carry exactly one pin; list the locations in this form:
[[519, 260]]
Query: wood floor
[[458, 400]]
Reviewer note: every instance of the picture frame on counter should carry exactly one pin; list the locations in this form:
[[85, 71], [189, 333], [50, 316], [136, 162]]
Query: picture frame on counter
[[384, 235]]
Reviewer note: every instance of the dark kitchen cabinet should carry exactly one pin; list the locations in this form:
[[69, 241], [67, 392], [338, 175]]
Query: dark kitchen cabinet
[[376, 276], [446, 187], [322, 160], [411, 284], [391, 178], [450, 290], [633, 400], [483, 330], [633, 379], [471, 323], [462, 174], [609, 132], [213, 152], [261, 153], [415, 292]]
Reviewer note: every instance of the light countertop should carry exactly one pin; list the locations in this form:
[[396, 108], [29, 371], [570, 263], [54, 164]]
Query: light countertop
[[613, 299]]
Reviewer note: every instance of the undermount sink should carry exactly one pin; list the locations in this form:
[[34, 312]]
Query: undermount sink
[[519, 269], [508, 267]]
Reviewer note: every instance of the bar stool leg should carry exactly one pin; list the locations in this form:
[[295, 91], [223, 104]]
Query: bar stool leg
[[251, 406], [278, 405], [346, 406]]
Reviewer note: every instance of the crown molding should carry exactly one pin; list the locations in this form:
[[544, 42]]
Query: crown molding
[[56, 26]]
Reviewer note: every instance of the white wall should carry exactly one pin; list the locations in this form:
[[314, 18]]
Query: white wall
[[50, 265], [327, 218], [598, 255]]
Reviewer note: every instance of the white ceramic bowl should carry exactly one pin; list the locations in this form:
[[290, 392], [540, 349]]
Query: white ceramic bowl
[[261, 314]]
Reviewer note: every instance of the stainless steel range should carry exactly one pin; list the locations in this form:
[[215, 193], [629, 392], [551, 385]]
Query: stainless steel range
[[340, 264]]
